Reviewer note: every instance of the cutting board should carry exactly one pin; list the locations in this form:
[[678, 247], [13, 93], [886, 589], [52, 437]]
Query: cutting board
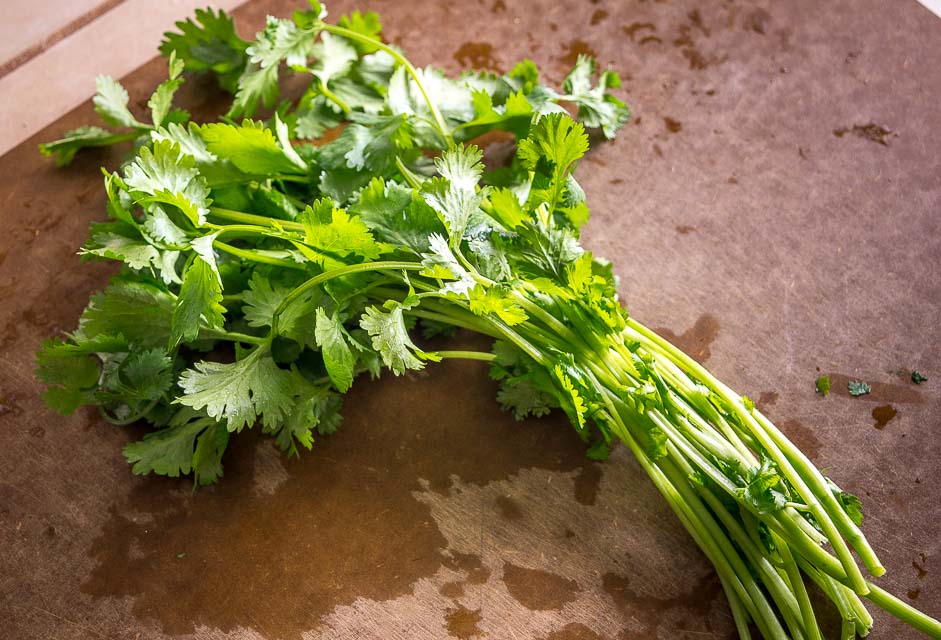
[[773, 207]]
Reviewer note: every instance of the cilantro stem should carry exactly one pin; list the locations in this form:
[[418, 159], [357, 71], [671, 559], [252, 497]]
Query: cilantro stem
[[251, 218], [231, 336], [254, 256], [440, 126], [332, 97], [339, 272], [484, 356]]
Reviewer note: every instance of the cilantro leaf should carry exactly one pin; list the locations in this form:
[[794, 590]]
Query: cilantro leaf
[[596, 107], [240, 392], [337, 356], [857, 388], [252, 148], [199, 303], [823, 385], [64, 149], [111, 103], [367, 24], [139, 310], [168, 451], [168, 176], [331, 235], [390, 338], [208, 44], [918, 378]]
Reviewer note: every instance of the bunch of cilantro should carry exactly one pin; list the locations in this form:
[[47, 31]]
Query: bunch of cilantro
[[265, 269]]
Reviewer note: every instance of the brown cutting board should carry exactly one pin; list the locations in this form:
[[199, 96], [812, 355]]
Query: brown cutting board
[[774, 207]]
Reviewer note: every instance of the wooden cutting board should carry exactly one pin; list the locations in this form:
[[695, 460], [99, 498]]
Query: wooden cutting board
[[774, 207]]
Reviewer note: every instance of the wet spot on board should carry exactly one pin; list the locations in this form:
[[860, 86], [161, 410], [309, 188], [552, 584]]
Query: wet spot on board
[[696, 342], [574, 49], [871, 132], [650, 610], [344, 523], [573, 631], [884, 392], [920, 568], [914, 593], [883, 414], [637, 30], [538, 590], [498, 6], [658, 151], [801, 435], [463, 623], [732, 180], [453, 589], [766, 399], [586, 484], [509, 508], [684, 229], [673, 126], [599, 16], [478, 55], [757, 21], [469, 564]]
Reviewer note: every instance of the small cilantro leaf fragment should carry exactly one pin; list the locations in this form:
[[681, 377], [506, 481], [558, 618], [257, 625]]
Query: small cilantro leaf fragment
[[823, 385], [918, 378], [857, 388]]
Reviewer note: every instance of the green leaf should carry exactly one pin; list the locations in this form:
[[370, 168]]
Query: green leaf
[[240, 392], [132, 383], [597, 108], [918, 378], [331, 235], [168, 176], [70, 376], [199, 303], [111, 104], [857, 388], [390, 338], [207, 458], [337, 356], [168, 451], [252, 148], [335, 57], [367, 24], [395, 216], [514, 116], [161, 101], [506, 209], [64, 149], [440, 263], [256, 86], [138, 310], [208, 44], [760, 488], [454, 196], [120, 241], [850, 503], [823, 385], [553, 147], [497, 302]]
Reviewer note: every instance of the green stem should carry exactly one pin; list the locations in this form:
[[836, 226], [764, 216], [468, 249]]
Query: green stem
[[440, 126], [484, 356], [339, 272], [332, 97], [903, 611], [252, 219], [253, 256]]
